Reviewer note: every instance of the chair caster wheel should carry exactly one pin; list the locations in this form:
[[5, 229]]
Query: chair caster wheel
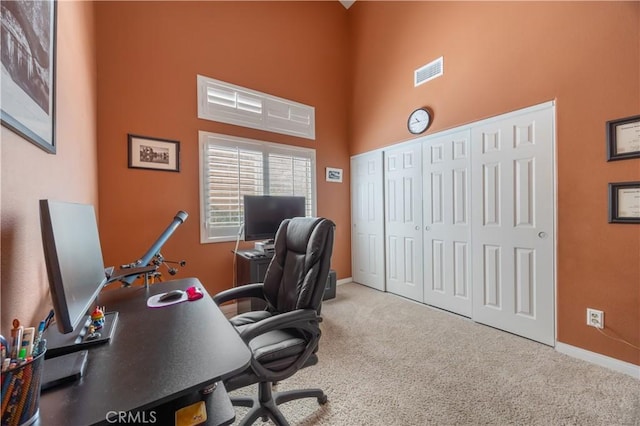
[[322, 400]]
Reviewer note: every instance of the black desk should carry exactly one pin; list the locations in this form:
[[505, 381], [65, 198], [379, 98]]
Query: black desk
[[156, 356]]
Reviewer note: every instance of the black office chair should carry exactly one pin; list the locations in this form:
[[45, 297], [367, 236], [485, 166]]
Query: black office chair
[[284, 337]]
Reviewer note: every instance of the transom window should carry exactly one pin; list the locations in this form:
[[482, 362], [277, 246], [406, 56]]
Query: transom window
[[228, 103], [231, 167]]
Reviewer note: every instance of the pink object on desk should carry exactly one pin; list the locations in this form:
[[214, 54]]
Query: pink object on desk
[[194, 293]]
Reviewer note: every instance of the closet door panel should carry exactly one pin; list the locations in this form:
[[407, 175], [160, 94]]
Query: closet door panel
[[446, 202], [513, 224], [403, 221], [367, 220]]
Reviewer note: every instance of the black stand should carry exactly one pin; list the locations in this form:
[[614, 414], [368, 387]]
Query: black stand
[[60, 344]]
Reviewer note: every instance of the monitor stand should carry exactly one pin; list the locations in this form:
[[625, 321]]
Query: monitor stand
[[60, 344]]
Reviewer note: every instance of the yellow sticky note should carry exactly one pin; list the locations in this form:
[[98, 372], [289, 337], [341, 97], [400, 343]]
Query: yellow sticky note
[[192, 415]]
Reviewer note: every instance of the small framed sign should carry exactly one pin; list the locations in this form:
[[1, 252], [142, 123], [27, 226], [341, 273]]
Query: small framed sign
[[334, 175], [624, 202], [154, 153], [623, 138]]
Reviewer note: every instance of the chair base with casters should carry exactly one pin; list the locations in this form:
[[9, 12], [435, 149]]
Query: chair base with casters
[[265, 404], [276, 350]]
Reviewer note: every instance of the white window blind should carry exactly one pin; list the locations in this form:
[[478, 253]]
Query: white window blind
[[228, 103], [231, 167]]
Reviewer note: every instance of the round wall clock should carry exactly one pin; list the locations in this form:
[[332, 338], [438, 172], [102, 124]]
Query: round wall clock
[[419, 121]]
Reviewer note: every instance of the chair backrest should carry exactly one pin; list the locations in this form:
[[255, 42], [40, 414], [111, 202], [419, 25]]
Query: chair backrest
[[297, 275]]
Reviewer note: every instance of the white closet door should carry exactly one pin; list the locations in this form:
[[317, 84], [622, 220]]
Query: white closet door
[[447, 241], [367, 220], [512, 221], [403, 220]]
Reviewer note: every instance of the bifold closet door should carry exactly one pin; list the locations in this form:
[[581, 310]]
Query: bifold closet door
[[447, 233], [403, 220], [367, 220], [512, 224]]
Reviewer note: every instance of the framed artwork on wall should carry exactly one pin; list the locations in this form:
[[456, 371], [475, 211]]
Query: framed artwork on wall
[[334, 175], [28, 37], [624, 202], [154, 153], [623, 138]]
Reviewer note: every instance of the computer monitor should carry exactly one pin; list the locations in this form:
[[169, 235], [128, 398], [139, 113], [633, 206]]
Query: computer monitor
[[264, 213], [75, 268]]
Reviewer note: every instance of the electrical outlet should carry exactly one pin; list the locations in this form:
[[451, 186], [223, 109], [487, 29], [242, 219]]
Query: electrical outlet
[[595, 318]]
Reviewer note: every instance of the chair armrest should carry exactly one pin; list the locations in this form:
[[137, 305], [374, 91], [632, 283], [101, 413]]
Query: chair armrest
[[299, 319], [249, 290]]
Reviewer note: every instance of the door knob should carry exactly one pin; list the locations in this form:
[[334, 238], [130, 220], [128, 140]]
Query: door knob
[[542, 234]]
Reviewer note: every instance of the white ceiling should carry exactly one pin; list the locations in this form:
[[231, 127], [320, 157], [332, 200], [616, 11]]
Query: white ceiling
[[347, 3]]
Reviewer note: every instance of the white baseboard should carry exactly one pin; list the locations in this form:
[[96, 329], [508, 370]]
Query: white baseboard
[[599, 359], [344, 281]]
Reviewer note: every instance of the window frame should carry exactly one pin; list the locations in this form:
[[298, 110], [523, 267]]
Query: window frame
[[228, 103], [207, 139]]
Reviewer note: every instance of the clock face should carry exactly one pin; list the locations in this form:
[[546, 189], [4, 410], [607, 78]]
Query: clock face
[[419, 121]]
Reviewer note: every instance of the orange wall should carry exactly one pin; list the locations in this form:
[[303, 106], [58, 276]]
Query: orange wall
[[29, 173], [499, 57], [149, 54]]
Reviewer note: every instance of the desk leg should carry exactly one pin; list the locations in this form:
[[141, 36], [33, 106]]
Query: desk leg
[[219, 409]]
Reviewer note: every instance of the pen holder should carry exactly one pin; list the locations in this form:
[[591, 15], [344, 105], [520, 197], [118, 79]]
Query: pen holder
[[21, 392]]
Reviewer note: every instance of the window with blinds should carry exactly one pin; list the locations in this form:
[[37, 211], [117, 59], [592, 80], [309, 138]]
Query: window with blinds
[[231, 167], [228, 103]]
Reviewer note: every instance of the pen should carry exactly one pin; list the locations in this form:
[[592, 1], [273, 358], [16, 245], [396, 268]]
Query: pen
[[48, 319], [16, 337], [36, 340]]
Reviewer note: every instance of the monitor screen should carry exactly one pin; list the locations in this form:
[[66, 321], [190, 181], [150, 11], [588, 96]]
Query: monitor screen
[[74, 259], [264, 213]]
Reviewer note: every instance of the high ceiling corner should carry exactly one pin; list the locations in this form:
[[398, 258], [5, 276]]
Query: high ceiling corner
[[347, 3]]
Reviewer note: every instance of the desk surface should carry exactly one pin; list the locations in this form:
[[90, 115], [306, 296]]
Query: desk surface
[[155, 356]]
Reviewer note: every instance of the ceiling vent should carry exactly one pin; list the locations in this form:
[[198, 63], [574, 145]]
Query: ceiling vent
[[428, 72]]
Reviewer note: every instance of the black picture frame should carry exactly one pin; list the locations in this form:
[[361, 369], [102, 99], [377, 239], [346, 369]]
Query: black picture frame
[[624, 202], [28, 80], [631, 149], [151, 153]]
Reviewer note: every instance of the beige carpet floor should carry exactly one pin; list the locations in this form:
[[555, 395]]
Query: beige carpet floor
[[385, 360]]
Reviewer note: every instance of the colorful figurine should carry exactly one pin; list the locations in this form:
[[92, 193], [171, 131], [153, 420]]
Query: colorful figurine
[[97, 318]]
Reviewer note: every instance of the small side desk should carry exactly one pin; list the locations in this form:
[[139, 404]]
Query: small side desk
[[251, 267], [157, 358]]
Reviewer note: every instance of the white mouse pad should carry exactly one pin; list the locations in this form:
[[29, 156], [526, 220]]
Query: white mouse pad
[[153, 301]]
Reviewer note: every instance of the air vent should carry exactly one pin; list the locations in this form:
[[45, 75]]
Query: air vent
[[428, 72]]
